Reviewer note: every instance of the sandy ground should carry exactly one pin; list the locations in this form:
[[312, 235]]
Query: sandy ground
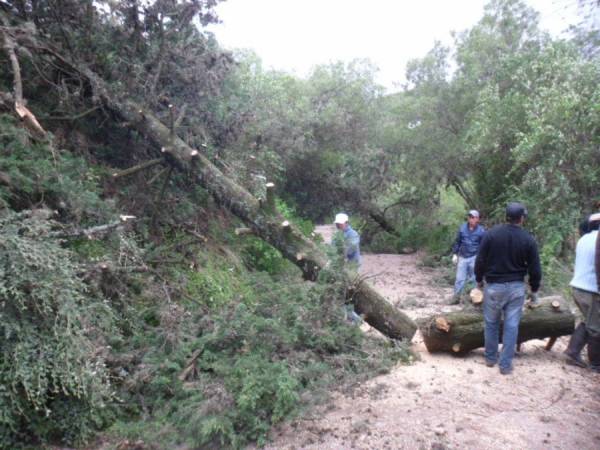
[[447, 402]]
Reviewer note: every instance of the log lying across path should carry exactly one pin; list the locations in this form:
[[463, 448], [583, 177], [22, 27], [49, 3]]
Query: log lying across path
[[259, 215], [462, 331]]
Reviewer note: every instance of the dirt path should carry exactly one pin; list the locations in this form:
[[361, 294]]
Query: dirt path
[[445, 402]]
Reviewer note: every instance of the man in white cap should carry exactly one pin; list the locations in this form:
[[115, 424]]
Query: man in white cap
[[586, 293], [351, 248], [351, 238], [464, 251]]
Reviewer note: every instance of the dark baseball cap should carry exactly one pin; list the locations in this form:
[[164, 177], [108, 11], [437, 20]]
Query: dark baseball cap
[[516, 210]]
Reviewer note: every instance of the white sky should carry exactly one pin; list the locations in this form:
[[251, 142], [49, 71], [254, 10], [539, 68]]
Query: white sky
[[295, 35]]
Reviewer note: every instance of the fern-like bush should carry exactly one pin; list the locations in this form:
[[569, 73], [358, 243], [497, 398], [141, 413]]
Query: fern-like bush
[[53, 383], [259, 359]]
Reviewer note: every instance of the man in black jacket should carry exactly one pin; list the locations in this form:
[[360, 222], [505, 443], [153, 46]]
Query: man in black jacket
[[507, 253]]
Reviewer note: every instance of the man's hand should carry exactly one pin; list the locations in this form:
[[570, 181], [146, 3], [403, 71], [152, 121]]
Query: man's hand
[[534, 301], [454, 259]]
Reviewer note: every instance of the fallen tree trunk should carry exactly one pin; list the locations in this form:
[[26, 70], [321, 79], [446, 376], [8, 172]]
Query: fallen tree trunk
[[257, 214], [462, 331]]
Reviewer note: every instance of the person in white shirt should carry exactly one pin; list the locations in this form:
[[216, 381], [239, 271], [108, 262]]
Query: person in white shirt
[[586, 293]]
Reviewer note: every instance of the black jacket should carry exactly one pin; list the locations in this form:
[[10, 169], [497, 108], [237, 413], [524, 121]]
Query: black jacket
[[508, 253]]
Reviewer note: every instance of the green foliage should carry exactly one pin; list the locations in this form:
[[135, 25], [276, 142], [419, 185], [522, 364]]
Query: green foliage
[[54, 383], [213, 285], [63, 182], [259, 255], [259, 360], [266, 354], [290, 212], [517, 120]]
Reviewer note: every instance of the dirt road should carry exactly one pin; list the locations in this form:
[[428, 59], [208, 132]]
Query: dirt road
[[447, 402]]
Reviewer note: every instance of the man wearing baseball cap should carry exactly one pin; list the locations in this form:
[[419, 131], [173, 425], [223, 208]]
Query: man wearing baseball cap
[[351, 238], [506, 255], [464, 251], [351, 249]]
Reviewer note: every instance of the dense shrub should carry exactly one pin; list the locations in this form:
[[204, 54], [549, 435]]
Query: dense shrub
[[53, 383], [259, 359]]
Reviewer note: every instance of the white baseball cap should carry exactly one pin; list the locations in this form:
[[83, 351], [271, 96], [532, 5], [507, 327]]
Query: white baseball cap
[[341, 218]]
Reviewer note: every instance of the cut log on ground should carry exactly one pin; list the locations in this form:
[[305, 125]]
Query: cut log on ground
[[267, 224], [462, 331]]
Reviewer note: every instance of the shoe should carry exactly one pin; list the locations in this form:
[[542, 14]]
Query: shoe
[[506, 370], [578, 340], [594, 353], [489, 363]]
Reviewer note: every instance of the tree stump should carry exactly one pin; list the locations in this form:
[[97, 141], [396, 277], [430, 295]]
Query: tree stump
[[462, 331]]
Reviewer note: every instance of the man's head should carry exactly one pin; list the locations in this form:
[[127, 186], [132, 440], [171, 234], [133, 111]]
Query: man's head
[[594, 222], [341, 221], [473, 218], [516, 213]]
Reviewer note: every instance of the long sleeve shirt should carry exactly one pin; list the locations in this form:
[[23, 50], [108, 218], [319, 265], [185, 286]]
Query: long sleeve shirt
[[507, 253], [584, 276], [467, 241], [352, 245]]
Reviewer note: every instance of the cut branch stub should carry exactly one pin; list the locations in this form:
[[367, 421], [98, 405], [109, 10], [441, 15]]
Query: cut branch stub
[[269, 204], [243, 231], [442, 324], [476, 296], [556, 304]]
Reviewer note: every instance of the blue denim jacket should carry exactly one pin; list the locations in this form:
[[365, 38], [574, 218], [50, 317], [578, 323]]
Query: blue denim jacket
[[467, 242], [352, 245]]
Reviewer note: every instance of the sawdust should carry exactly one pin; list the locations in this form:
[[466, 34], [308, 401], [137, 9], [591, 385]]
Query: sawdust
[[448, 402]]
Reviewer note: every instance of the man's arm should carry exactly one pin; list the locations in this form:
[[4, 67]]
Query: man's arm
[[534, 268], [481, 260], [456, 245]]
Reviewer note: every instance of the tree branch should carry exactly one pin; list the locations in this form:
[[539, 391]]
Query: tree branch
[[139, 167], [99, 229], [9, 46]]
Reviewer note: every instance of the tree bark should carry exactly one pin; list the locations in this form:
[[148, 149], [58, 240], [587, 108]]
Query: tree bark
[[267, 224], [21, 110], [462, 331]]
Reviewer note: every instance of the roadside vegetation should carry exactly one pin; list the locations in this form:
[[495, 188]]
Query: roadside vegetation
[[129, 306]]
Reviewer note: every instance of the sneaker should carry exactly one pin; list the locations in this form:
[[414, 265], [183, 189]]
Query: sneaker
[[489, 363], [506, 370]]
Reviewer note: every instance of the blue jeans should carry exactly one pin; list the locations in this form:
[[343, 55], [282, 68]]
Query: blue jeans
[[502, 299], [465, 272]]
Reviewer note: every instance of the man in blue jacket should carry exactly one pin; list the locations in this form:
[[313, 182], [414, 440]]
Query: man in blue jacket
[[351, 239], [465, 248], [351, 249]]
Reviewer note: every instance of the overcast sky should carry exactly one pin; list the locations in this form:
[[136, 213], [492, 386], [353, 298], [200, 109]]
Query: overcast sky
[[295, 35]]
